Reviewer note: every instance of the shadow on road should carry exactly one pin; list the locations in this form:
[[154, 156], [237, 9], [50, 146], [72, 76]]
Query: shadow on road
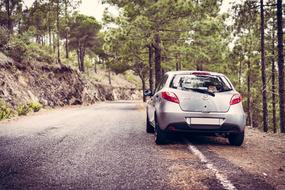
[[197, 140]]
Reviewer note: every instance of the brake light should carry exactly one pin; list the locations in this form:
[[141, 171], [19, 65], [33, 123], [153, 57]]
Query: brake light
[[201, 73], [236, 99], [170, 96]]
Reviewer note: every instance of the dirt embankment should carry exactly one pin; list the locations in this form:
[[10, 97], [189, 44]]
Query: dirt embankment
[[53, 85]]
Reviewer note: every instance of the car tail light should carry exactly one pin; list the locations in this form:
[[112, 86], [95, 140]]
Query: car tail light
[[236, 99], [201, 73], [170, 96]]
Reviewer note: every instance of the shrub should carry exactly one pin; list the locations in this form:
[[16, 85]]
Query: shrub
[[4, 37], [5, 111], [39, 53], [23, 109], [130, 77], [17, 49], [35, 106]]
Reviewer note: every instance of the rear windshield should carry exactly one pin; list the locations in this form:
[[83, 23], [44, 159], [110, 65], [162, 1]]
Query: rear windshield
[[209, 83]]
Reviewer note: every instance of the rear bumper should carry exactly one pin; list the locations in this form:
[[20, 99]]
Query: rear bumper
[[174, 119], [203, 129]]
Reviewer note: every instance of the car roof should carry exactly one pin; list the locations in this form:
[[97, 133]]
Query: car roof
[[190, 72]]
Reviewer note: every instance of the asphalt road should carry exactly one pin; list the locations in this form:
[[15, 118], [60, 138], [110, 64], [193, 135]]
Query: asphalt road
[[105, 146]]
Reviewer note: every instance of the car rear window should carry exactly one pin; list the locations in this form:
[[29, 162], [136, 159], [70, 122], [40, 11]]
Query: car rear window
[[211, 83]]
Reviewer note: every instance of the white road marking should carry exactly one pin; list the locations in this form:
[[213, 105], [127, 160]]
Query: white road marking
[[222, 178]]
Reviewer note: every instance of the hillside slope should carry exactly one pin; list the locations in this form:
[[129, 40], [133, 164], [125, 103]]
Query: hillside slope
[[53, 85]]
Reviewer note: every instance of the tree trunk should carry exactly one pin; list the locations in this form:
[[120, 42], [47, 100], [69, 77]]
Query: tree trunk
[[82, 56], [177, 64], [273, 81], [263, 68], [43, 40], [95, 66], [20, 27], [280, 65], [199, 66], [249, 109], [66, 31], [9, 20], [58, 37], [239, 75], [78, 59], [143, 87], [157, 48], [38, 39], [150, 63], [49, 27], [66, 46], [109, 76], [49, 38], [54, 42]]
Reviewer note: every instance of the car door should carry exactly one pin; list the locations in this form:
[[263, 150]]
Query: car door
[[155, 99]]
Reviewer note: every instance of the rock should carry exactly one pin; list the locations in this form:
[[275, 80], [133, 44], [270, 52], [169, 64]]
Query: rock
[[22, 80], [33, 98], [43, 102], [52, 85]]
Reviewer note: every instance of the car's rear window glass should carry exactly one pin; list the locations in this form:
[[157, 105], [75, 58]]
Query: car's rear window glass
[[211, 83]]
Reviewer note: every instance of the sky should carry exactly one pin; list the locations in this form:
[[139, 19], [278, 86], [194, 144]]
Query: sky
[[95, 8]]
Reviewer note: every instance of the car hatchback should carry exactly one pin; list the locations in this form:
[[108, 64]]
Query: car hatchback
[[197, 102]]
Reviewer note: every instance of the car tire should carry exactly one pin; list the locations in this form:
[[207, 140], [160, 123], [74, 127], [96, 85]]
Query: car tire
[[149, 128], [236, 139], [160, 136]]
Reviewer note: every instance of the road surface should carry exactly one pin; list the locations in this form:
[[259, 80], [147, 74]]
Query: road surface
[[105, 146]]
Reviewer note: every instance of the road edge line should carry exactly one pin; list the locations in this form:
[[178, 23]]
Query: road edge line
[[227, 184]]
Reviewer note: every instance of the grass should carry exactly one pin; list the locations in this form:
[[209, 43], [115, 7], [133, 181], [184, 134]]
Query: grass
[[24, 109], [5, 111]]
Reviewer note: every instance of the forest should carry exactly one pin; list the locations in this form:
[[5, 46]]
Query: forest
[[151, 37]]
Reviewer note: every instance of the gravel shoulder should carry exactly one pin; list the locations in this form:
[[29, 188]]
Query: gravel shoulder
[[262, 154]]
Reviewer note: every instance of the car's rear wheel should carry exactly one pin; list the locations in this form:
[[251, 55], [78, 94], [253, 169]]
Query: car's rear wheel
[[149, 128], [236, 139], [160, 136]]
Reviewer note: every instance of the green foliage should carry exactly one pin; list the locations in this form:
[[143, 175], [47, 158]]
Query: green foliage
[[5, 111], [35, 106], [14, 8], [39, 53], [17, 48], [71, 60], [84, 31], [131, 78], [83, 36], [4, 37], [192, 34], [23, 109]]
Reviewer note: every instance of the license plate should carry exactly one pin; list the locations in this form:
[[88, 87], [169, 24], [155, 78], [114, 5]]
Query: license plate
[[204, 121]]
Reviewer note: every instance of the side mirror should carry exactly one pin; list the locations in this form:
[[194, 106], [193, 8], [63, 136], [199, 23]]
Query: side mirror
[[148, 93]]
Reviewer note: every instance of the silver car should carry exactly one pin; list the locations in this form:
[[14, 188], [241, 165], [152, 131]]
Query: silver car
[[197, 102]]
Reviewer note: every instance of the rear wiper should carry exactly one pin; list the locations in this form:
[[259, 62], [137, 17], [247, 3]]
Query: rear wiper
[[203, 91]]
